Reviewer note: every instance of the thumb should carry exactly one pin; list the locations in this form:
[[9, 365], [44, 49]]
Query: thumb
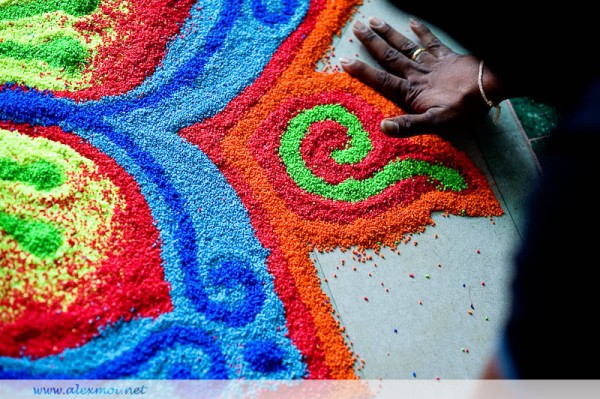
[[408, 125]]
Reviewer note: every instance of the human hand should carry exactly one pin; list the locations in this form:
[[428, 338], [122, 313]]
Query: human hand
[[436, 87]]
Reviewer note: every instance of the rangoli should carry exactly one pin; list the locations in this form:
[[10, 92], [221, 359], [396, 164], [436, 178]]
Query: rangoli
[[166, 169]]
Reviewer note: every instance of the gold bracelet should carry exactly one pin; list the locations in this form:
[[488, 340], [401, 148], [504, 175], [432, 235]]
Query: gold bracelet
[[487, 100]]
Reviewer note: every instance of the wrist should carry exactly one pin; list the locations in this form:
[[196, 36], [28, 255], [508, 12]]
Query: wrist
[[492, 82], [493, 88]]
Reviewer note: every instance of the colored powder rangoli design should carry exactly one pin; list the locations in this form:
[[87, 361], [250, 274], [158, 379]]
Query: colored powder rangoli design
[[166, 169]]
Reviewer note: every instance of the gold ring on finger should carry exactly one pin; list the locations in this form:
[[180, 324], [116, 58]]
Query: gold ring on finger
[[417, 52]]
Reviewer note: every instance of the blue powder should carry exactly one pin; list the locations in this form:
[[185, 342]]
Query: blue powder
[[264, 356]]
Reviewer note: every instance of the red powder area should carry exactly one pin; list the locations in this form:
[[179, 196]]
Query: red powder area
[[128, 284], [139, 44]]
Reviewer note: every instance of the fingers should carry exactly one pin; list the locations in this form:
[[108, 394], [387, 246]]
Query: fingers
[[391, 86], [389, 56], [386, 44], [430, 41], [394, 38]]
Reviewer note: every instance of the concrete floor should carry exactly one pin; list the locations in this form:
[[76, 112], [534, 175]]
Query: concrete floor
[[422, 328]]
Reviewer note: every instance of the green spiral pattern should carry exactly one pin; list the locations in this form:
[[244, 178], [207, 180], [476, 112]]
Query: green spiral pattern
[[359, 145]]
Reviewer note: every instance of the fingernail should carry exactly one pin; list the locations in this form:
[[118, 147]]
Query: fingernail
[[415, 23], [346, 61], [376, 22], [389, 126], [359, 26]]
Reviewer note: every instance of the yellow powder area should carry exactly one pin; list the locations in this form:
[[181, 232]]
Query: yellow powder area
[[81, 209], [38, 31], [34, 72]]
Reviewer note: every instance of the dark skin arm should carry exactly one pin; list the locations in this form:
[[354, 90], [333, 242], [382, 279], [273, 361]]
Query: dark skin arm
[[438, 90]]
